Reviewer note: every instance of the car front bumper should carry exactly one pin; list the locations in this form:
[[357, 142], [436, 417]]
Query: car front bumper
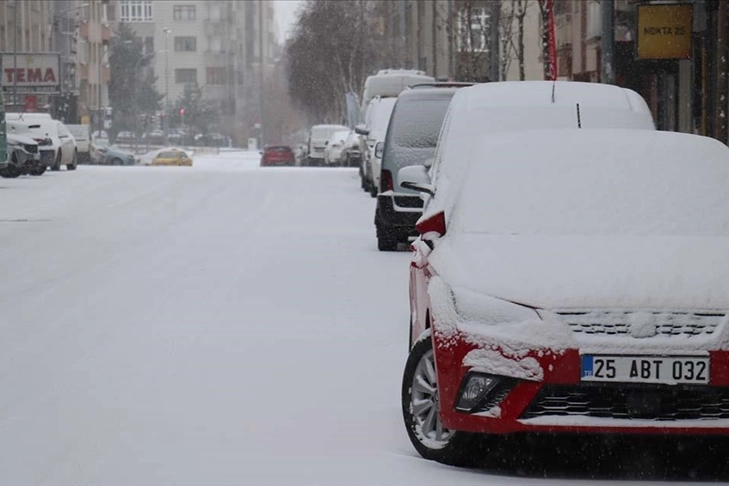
[[561, 402]]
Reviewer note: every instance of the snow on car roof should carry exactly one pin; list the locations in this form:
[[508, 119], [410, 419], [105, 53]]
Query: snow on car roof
[[596, 182], [534, 93]]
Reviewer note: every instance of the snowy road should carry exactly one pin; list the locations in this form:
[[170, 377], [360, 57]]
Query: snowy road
[[214, 325]]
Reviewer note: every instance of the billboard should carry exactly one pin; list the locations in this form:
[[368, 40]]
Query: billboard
[[31, 73], [664, 31]]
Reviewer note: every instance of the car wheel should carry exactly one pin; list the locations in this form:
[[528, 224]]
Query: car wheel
[[117, 161], [74, 162], [38, 171], [386, 243], [10, 172], [57, 164], [420, 411], [373, 190]]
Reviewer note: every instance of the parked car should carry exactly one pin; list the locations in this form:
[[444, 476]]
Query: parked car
[[334, 153], [111, 155], [318, 138], [411, 138], [23, 157], [172, 157], [352, 153], [277, 155], [82, 135], [389, 83], [125, 137], [513, 105], [56, 144], [377, 119], [577, 282]]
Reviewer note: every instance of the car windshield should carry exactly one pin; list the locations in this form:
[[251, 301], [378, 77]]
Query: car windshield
[[364, 242]]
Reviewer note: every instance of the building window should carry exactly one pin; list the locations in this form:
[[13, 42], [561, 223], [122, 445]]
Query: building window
[[185, 44], [183, 12], [186, 76], [135, 11], [216, 75]]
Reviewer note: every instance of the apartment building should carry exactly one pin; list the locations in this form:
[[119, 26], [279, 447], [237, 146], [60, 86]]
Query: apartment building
[[214, 44], [25, 26]]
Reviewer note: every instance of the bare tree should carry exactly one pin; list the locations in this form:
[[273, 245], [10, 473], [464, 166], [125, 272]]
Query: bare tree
[[330, 53]]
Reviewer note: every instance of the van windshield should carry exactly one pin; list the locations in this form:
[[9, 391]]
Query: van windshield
[[417, 123]]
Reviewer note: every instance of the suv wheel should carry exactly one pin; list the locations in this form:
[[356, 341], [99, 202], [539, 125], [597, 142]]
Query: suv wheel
[[74, 162], [57, 164], [387, 243]]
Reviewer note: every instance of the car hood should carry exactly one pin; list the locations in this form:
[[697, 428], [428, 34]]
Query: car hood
[[24, 139], [553, 272]]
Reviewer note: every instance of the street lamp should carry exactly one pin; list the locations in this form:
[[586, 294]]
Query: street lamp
[[167, 80]]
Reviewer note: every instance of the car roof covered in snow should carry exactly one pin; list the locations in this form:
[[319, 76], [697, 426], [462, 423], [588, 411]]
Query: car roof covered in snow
[[539, 93]]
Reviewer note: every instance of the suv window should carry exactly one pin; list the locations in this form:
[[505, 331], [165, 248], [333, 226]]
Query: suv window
[[418, 123]]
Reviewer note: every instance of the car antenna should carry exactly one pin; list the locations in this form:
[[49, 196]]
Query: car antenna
[[579, 120]]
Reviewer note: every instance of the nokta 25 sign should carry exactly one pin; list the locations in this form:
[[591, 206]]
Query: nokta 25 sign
[[664, 31]]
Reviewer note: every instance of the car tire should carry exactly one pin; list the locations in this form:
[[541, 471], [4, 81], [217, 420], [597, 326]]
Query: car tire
[[422, 422], [386, 243], [74, 162], [38, 171], [57, 164], [373, 190], [117, 161], [10, 172]]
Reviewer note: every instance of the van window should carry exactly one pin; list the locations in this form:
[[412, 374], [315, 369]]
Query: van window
[[418, 123]]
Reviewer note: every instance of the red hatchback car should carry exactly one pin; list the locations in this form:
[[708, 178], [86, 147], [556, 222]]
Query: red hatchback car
[[277, 155], [569, 281]]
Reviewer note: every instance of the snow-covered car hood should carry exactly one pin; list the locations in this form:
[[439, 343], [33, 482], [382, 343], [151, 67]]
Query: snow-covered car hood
[[553, 272], [24, 139]]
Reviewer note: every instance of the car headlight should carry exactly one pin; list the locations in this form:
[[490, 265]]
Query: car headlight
[[477, 307]]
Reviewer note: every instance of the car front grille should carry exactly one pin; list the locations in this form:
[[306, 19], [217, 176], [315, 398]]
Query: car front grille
[[667, 323], [409, 201], [31, 149], [626, 402]]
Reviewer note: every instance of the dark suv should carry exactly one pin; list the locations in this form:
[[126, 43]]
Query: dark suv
[[411, 139]]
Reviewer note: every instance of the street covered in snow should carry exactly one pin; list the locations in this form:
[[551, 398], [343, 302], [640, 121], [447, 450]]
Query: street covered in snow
[[225, 324]]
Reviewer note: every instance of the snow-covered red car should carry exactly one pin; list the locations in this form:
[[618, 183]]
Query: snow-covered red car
[[569, 281]]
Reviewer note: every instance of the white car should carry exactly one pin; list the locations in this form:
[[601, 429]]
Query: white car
[[62, 147], [377, 120], [82, 135], [318, 138], [334, 153], [576, 282]]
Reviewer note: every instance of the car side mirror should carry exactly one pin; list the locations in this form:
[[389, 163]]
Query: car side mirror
[[416, 178], [379, 148], [361, 130]]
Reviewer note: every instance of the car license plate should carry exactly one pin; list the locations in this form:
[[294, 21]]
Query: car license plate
[[645, 369]]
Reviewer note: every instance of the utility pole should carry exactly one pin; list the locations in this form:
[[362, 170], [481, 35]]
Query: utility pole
[[722, 76], [495, 58], [260, 74], [15, 53], [167, 81], [608, 41]]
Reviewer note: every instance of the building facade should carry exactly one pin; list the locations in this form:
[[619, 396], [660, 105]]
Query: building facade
[[25, 27]]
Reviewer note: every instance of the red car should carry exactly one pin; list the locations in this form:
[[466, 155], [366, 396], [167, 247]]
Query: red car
[[568, 281], [277, 155]]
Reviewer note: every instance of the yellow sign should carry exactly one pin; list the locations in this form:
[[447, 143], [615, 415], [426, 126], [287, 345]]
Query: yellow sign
[[664, 31]]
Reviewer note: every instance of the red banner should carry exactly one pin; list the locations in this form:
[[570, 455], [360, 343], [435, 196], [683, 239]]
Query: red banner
[[551, 41], [31, 103]]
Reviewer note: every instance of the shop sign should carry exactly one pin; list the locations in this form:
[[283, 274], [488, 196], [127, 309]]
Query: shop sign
[[664, 31], [31, 73]]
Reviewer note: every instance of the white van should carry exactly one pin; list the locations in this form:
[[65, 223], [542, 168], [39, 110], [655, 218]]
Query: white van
[[318, 139], [377, 119], [390, 83]]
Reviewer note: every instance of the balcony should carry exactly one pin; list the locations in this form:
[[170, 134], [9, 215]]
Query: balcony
[[83, 29]]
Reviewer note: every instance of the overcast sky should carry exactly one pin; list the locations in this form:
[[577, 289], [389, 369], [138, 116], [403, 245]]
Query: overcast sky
[[285, 15]]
